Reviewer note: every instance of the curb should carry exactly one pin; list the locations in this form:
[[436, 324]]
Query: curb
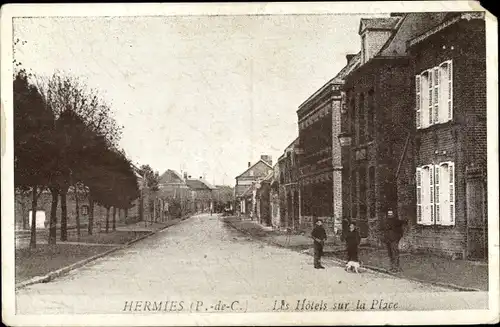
[[368, 267], [57, 273]]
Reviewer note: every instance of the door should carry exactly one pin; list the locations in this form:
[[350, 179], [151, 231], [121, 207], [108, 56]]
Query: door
[[477, 235]]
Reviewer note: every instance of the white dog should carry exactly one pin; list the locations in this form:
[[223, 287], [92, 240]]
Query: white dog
[[352, 266]]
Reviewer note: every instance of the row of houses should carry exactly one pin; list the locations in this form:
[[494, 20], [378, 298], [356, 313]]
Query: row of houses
[[401, 127], [176, 196]]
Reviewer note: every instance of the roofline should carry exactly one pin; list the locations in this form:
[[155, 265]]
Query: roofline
[[465, 15], [335, 80], [377, 28], [253, 166]]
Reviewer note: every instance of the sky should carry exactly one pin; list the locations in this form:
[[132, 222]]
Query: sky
[[197, 94]]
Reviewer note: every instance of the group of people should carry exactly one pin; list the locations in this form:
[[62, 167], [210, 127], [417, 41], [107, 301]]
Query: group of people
[[392, 234]]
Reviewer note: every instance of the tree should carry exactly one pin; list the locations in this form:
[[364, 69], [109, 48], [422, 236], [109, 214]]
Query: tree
[[152, 178], [33, 123], [75, 105]]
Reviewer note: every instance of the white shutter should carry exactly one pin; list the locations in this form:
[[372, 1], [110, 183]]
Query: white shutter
[[437, 194], [418, 176], [451, 171], [431, 192], [447, 194], [418, 112], [436, 94], [431, 91], [450, 90]]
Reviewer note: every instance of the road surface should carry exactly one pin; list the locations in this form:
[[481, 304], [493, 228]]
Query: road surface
[[201, 262]]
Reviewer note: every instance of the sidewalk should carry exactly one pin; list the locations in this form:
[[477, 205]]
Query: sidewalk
[[46, 259], [459, 274]]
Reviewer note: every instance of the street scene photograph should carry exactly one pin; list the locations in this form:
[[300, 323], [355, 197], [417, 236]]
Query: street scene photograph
[[250, 163]]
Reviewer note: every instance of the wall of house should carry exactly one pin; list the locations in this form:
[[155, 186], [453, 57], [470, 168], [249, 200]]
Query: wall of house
[[463, 140], [23, 207]]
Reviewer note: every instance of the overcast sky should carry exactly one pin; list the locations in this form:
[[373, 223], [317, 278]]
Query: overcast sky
[[202, 94]]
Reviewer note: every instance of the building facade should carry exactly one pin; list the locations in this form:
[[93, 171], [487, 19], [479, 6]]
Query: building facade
[[449, 100], [289, 191], [320, 163], [244, 199], [416, 117]]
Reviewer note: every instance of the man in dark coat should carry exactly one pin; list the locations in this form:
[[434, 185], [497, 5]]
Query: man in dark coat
[[319, 236], [352, 239], [393, 233]]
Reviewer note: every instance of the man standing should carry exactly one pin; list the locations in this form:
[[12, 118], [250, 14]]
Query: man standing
[[392, 235], [319, 236]]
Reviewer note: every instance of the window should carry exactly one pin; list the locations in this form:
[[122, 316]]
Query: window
[[371, 117], [362, 193], [436, 194], [354, 196], [251, 172], [434, 96], [362, 121], [85, 210], [372, 202]]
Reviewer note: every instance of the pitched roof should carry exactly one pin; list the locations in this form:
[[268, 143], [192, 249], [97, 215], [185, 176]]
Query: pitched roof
[[260, 160], [199, 184], [165, 175], [410, 25], [387, 23]]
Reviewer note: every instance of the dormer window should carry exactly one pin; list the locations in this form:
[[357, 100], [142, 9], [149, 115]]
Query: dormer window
[[251, 173]]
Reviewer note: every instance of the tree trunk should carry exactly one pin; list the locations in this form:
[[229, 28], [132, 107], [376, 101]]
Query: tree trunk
[[91, 215], [64, 217], [77, 215], [53, 216], [114, 218], [107, 219], [33, 217]]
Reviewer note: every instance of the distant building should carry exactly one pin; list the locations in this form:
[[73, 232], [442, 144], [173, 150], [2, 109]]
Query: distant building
[[202, 194], [289, 187], [245, 180]]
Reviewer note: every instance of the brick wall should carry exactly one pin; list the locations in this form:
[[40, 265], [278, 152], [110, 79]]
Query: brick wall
[[463, 139]]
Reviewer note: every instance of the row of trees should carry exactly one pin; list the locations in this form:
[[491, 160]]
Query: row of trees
[[66, 138]]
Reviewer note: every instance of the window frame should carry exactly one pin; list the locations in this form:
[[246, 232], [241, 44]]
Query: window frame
[[434, 95], [434, 193]]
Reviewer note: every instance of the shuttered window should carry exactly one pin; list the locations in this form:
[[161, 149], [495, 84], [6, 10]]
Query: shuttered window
[[434, 95], [435, 186]]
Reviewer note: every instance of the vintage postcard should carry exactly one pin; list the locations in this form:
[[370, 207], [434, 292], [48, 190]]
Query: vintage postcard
[[249, 164]]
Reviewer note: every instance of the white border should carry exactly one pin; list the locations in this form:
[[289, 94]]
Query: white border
[[368, 318]]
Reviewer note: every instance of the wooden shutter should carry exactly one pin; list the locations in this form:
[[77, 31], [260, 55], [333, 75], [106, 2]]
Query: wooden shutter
[[418, 176], [450, 90], [436, 94], [431, 194], [437, 194], [418, 112], [431, 92], [451, 170]]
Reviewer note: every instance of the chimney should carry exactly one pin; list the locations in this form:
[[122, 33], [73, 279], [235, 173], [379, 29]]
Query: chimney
[[267, 158], [185, 175], [249, 164], [349, 57]]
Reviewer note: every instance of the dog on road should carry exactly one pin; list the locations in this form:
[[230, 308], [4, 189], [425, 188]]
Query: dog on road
[[352, 266]]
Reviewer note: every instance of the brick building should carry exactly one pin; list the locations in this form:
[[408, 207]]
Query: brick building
[[449, 99], [244, 202], [416, 114], [320, 165], [378, 117], [289, 192]]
